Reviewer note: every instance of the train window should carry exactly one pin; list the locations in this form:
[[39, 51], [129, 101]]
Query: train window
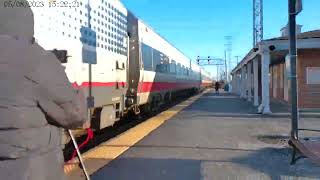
[[165, 64], [160, 62], [179, 69], [156, 60], [173, 67], [147, 57]]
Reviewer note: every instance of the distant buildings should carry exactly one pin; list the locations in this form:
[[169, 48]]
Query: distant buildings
[[264, 73]]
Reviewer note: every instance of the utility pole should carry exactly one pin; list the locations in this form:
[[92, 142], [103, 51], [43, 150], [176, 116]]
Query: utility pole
[[217, 73], [225, 65], [228, 49], [257, 21], [295, 7], [237, 59]]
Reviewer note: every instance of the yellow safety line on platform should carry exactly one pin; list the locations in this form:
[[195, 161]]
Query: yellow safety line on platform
[[118, 145]]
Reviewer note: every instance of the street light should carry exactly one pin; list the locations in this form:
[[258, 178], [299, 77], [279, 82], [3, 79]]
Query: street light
[[295, 7]]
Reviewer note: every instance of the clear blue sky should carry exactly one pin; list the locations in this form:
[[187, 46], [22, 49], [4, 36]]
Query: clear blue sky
[[199, 27]]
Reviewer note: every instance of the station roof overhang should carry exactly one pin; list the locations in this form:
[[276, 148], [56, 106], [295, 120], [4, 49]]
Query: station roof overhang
[[279, 47]]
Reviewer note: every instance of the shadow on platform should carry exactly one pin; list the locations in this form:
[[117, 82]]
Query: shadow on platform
[[231, 105], [267, 163]]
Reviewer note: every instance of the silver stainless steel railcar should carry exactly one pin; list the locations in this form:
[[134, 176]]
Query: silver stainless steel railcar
[[121, 63]]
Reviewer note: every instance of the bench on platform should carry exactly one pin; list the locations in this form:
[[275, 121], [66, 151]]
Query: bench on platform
[[307, 147]]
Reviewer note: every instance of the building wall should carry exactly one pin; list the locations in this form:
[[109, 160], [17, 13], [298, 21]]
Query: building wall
[[277, 81], [309, 95]]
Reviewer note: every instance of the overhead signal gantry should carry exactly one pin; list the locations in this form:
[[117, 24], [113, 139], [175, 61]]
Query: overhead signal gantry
[[211, 61]]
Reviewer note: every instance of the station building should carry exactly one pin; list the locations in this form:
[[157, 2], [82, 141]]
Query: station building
[[264, 73]]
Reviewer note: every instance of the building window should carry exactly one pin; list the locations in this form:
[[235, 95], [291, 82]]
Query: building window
[[313, 75]]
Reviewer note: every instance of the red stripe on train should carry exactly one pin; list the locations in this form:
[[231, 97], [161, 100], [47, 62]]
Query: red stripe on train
[[160, 86], [99, 84], [144, 86]]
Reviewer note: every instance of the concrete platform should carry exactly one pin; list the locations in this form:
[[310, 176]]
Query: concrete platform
[[216, 137]]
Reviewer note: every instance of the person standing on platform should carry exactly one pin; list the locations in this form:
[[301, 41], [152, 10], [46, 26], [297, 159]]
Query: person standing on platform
[[36, 102], [217, 87]]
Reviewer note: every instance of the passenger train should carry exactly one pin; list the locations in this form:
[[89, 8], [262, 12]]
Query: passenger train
[[120, 62]]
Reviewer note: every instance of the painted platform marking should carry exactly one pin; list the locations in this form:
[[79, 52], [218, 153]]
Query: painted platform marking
[[113, 148]]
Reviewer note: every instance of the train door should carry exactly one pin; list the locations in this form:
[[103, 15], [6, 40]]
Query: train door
[[134, 63]]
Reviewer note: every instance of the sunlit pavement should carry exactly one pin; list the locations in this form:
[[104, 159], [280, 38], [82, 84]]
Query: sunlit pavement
[[217, 137]]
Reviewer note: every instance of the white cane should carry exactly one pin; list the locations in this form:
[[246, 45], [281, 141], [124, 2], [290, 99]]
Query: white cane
[[79, 155]]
